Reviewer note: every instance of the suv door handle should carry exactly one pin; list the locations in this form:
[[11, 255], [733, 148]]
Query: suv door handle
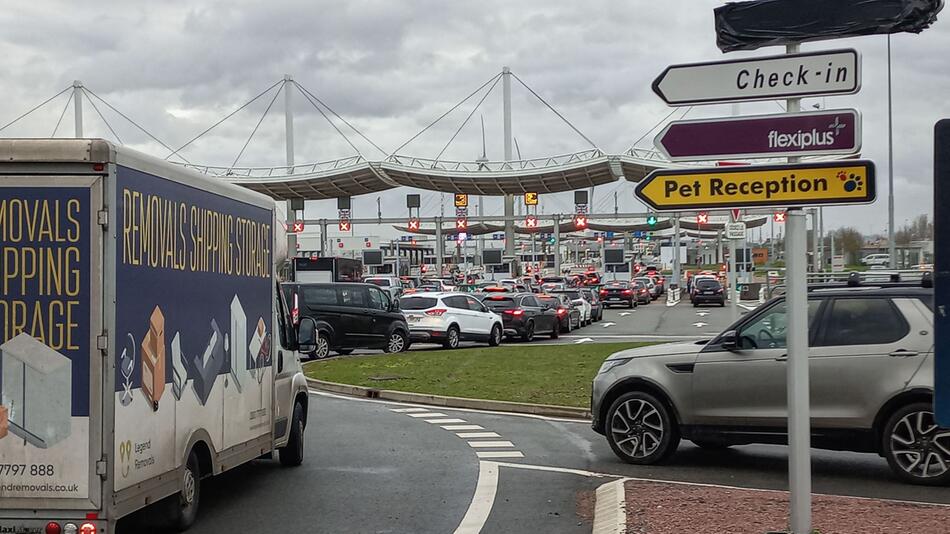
[[903, 353], [782, 358]]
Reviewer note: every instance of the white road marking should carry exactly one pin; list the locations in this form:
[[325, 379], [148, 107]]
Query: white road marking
[[463, 427], [490, 444], [624, 314], [608, 324], [750, 308], [593, 474], [499, 454], [636, 337], [445, 421], [465, 410], [583, 340], [421, 415], [477, 435], [478, 510], [408, 410], [702, 313], [700, 324]]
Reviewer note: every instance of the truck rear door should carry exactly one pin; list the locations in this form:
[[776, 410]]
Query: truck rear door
[[51, 371]]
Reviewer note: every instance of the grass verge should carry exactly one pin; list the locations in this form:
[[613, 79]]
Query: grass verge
[[540, 374]]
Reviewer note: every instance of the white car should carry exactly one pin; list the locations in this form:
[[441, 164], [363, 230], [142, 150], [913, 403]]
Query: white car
[[577, 300], [450, 318], [876, 259]]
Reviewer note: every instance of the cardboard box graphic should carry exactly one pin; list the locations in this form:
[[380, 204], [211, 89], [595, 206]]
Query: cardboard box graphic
[[153, 359], [237, 345], [4, 421], [36, 391]]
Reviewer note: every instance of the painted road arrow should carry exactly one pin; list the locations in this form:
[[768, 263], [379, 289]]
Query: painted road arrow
[[624, 314], [809, 184], [584, 340], [833, 72], [762, 136], [608, 324]]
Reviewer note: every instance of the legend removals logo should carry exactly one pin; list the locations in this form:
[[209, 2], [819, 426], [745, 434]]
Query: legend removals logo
[[802, 139]]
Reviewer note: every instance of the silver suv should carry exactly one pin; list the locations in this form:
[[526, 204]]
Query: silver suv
[[871, 361]]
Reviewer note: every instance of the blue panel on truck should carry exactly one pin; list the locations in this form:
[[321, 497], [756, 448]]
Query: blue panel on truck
[[942, 272], [193, 318], [44, 346]]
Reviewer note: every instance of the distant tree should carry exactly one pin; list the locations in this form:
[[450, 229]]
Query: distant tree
[[850, 241]]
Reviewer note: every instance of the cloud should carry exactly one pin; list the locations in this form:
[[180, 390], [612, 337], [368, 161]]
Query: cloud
[[391, 67]]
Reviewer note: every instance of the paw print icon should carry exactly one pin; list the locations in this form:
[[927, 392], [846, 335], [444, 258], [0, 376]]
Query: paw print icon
[[852, 182]]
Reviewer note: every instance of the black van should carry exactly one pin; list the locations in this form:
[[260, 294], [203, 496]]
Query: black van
[[349, 316]]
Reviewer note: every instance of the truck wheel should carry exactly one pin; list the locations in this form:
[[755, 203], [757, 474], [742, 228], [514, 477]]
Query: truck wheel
[[184, 505], [291, 455]]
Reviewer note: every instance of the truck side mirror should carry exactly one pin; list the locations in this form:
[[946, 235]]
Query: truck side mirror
[[307, 335]]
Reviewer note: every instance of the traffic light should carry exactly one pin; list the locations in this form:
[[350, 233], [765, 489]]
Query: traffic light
[[600, 239], [702, 218], [779, 216], [651, 221], [413, 225], [531, 221], [551, 240], [580, 222], [344, 225], [461, 223], [649, 236]]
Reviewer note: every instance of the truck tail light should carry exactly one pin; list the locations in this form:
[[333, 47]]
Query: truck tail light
[[87, 528], [295, 313], [53, 528], [438, 312]]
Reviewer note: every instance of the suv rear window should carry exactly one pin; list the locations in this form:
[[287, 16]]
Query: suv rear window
[[499, 303], [382, 282], [863, 321], [707, 283], [573, 295], [417, 303]]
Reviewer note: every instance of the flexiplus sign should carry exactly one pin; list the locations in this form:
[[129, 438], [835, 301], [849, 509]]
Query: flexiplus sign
[[811, 184]]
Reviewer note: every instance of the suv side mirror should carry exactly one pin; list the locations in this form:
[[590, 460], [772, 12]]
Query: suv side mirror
[[728, 340], [307, 335], [394, 305]]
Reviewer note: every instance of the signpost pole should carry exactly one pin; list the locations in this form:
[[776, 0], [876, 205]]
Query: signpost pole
[[676, 252], [439, 246], [733, 294], [796, 302], [557, 244]]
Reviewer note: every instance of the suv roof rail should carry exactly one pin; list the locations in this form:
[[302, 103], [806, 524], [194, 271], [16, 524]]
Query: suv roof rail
[[858, 280]]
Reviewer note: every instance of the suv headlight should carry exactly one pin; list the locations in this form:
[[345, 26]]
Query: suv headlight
[[610, 364]]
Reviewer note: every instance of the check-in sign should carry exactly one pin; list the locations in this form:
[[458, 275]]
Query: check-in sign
[[810, 184], [831, 72], [762, 136]]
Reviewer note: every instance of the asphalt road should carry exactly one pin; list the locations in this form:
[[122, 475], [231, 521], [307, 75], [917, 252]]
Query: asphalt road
[[382, 467]]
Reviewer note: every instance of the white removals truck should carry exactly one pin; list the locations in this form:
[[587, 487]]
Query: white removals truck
[[144, 345]]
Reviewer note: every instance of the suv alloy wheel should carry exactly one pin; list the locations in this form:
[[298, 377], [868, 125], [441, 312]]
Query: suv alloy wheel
[[917, 450], [640, 429]]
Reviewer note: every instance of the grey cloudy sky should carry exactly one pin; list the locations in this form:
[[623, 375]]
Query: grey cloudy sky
[[390, 67]]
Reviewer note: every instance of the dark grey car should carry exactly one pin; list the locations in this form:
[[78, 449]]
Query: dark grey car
[[871, 368]]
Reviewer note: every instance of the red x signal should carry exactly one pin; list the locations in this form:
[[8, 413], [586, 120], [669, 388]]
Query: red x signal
[[344, 225], [702, 218], [580, 222], [531, 222], [413, 224], [779, 216], [461, 223], [298, 227]]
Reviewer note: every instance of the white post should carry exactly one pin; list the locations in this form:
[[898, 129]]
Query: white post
[[891, 245], [733, 295], [289, 143], [676, 251], [796, 302], [439, 245], [77, 107], [509, 199], [557, 244]]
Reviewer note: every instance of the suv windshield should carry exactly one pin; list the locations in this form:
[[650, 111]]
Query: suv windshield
[[417, 303]]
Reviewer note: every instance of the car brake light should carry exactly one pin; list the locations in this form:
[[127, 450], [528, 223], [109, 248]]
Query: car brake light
[[516, 313], [561, 311], [628, 292], [436, 312], [53, 528], [603, 291]]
